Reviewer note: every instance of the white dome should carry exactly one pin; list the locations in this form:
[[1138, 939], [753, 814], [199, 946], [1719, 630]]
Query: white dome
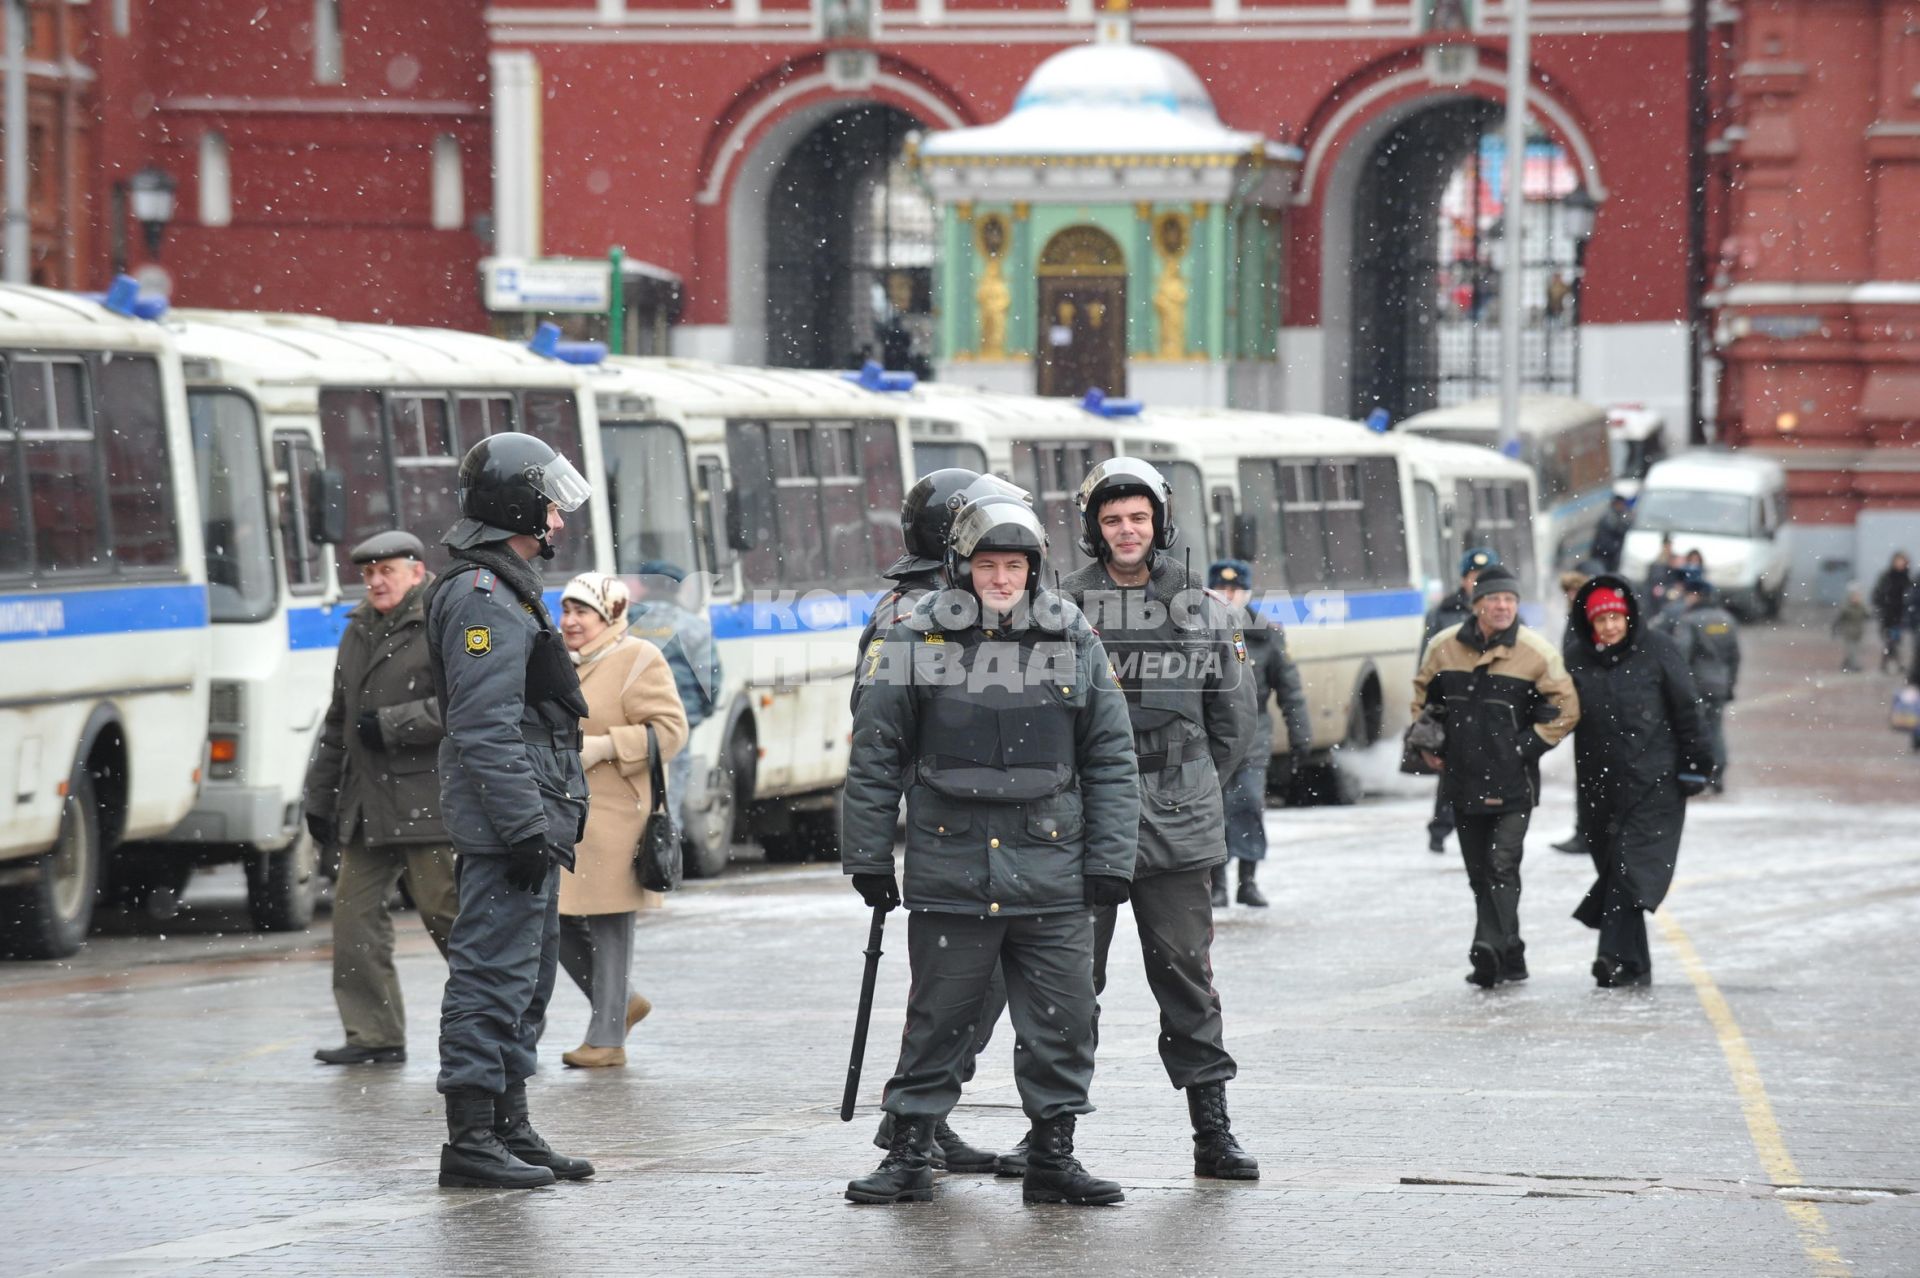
[[1124, 76]]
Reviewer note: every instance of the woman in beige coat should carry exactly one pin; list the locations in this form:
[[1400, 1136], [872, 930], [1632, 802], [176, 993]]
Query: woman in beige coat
[[628, 687]]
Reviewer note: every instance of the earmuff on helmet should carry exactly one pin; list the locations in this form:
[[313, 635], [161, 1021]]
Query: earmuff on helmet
[[1124, 477]]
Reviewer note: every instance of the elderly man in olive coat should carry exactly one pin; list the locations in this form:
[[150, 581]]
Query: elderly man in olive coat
[[374, 792]]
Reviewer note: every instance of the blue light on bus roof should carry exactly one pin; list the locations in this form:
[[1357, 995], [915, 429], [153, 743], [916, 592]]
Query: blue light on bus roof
[[124, 297], [546, 344], [1097, 403], [875, 378], [1379, 420]]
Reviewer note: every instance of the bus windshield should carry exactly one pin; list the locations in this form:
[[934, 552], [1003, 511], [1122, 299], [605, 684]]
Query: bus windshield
[[231, 476], [651, 504], [1685, 510]]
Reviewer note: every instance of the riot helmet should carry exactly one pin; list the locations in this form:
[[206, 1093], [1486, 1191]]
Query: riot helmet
[[506, 481], [998, 520], [926, 517], [1124, 477]]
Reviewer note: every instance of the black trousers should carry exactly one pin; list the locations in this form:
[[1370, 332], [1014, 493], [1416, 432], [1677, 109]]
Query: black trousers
[[1623, 925], [1491, 846], [502, 957], [1174, 915], [1047, 963], [1442, 823]]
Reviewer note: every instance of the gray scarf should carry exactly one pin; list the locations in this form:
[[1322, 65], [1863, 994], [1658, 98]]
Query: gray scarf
[[521, 577]]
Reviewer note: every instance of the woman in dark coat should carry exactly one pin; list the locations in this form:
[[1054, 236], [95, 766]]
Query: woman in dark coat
[[1639, 752]]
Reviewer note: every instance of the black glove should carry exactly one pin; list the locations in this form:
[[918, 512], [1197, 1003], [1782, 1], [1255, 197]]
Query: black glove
[[369, 727], [527, 864], [1692, 783], [879, 891], [321, 828], [1105, 889]]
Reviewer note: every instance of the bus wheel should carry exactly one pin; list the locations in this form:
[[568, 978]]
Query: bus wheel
[[708, 838], [281, 886], [49, 918]]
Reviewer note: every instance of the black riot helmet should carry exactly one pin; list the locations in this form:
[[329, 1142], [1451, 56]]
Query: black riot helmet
[[1124, 477], [1000, 518], [926, 516], [506, 481]]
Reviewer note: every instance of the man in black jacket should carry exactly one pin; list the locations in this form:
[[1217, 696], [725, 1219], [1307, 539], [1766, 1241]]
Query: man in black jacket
[[1610, 535], [1449, 612]]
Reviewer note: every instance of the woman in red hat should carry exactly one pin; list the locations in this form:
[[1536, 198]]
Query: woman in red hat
[[1639, 752]]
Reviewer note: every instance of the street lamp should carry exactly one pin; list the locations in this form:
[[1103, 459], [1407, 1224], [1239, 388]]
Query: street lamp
[[151, 194]]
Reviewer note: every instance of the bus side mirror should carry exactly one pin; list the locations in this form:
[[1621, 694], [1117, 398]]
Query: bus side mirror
[[1246, 537], [327, 507]]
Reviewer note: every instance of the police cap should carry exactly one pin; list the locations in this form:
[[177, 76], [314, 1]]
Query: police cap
[[1476, 559], [388, 545], [1230, 574]]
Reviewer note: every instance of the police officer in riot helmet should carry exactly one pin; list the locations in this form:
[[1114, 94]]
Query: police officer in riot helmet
[[514, 800], [991, 706], [1190, 696]]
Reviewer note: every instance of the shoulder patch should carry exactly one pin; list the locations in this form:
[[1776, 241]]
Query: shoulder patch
[[479, 641], [1240, 647], [484, 580], [933, 638], [873, 656]]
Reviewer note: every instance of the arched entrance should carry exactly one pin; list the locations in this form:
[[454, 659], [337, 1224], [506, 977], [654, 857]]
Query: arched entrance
[[1082, 314], [850, 244], [1427, 255]]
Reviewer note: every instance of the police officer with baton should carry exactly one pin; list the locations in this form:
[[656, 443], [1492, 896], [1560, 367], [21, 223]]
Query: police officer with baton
[[993, 709]]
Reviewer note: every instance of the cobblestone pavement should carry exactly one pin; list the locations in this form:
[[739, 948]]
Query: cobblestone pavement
[[1753, 1113]]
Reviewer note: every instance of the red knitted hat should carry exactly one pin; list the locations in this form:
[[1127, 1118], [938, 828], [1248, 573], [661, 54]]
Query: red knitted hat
[[1605, 599]]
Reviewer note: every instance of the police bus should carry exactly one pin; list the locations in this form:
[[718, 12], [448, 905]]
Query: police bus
[[1466, 497], [308, 436], [103, 608]]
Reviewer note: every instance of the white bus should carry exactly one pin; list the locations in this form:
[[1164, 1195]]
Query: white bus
[[779, 492], [310, 435], [1566, 444], [103, 609], [1466, 497]]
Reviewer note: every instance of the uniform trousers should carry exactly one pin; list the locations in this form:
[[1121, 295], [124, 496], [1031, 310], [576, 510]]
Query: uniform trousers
[[365, 986], [1174, 915], [597, 951], [1491, 845], [1245, 802], [501, 962], [1047, 961], [1712, 712]]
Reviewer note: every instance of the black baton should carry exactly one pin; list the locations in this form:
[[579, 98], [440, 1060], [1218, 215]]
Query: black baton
[[864, 1015]]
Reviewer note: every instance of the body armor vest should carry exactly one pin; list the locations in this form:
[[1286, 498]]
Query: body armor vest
[[1162, 668], [997, 715]]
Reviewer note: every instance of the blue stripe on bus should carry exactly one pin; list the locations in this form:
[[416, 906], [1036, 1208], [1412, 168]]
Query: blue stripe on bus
[[105, 610], [316, 627], [1335, 607]]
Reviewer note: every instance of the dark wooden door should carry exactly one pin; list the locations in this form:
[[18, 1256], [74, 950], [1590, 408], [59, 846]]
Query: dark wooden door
[[1083, 335]]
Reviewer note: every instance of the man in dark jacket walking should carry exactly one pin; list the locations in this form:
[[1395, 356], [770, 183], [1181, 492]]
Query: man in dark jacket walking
[[1640, 753], [1448, 613], [1189, 695], [1889, 601], [1504, 697], [1274, 674], [1610, 535], [1709, 642], [372, 793], [993, 709]]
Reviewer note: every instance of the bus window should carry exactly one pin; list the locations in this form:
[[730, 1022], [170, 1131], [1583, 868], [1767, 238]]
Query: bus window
[[1053, 473], [1260, 506], [1344, 520], [477, 416], [648, 501], [1189, 513], [14, 542], [553, 417], [231, 477], [427, 471], [56, 435], [885, 490], [1300, 523], [132, 414], [1429, 537], [1521, 513], [712, 498], [850, 556], [294, 457], [1223, 522], [938, 454], [1384, 521], [356, 445]]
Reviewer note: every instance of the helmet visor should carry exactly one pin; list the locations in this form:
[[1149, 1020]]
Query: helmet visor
[[560, 483]]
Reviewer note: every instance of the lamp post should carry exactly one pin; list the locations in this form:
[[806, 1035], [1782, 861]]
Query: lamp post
[[150, 192]]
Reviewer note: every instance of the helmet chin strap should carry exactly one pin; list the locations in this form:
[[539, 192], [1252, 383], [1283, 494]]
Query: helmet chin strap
[[546, 547]]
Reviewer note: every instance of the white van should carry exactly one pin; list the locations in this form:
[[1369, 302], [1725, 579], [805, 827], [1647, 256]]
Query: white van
[[1732, 508]]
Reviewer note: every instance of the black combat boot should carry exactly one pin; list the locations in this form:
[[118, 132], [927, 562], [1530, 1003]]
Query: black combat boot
[[957, 1155], [1219, 887], [1250, 893], [905, 1175], [515, 1130], [474, 1157], [1054, 1175], [1215, 1152], [1013, 1163]]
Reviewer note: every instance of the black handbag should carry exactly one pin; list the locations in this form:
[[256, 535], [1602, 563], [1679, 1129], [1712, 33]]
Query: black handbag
[[658, 862]]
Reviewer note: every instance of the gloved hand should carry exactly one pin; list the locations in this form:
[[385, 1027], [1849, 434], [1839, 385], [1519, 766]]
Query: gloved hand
[[527, 864], [1692, 783], [596, 750], [879, 891], [369, 728], [321, 828], [1105, 889]]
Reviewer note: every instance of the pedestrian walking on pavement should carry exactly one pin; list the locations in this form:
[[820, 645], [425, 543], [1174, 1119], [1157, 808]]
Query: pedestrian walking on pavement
[[1709, 642], [1503, 695], [1610, 535], [1571, 583], [685, 637], [1448, 613], [1850, 628], [992, 707], [1190, 698], [1275, 675], [514, 797], [632, 703], [372, 793], [1641, 752], [1889, 601]]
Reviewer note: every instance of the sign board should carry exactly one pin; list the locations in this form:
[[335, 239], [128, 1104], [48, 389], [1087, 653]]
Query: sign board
[[546, 284]]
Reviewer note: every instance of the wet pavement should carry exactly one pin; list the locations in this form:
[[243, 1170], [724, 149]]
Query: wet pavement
[[1754, 1112]]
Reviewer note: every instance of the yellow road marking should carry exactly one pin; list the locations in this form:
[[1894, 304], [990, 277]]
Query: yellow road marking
[[1762, 1127]]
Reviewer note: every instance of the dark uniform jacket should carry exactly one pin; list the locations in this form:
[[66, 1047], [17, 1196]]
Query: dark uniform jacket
[[1709, 643], [1639, 729], [1190, 696], [388, 796], [1274, 673], [893, 607], [510, 763], [1448, 613], [1610, 538], [1505, 700], [1014, 754]]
